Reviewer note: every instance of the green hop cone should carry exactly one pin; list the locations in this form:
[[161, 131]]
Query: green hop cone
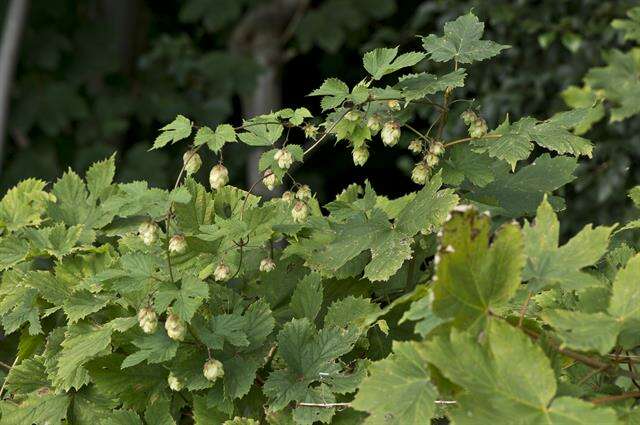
[[360, 155], [148, 320], [218, 177], [175, 327], [191, 162], [390, 133], [420, 173], [213, 369], [177, 244]]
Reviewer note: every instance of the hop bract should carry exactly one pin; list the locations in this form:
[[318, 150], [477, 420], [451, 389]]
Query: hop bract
[[218, 177], [177, 244], [360, 155], [420, 173], [148, 232], [175, 327], [299, 212], [390, 133], [267, 265], [213, 369], [174, 382], [191, 161], [148, 320], [269, 180], [284, 158], [222, 272]]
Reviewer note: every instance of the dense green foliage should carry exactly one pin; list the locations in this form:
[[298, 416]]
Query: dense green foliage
[[133, 304], [74, 104]]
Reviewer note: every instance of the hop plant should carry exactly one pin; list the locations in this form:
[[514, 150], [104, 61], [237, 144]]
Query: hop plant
[[191, 162], [175, 327], [300, 212], [478, 128], [374, 123], [468, 116], [390, 133], [360, 155], [303, 193], [174, 382], [284, 158], [213, 369], [148, 232], [267, 265], [415, 146], [177, 244], [148, 320], [222, 272], [269, 180], [420, 173], [218, 177]]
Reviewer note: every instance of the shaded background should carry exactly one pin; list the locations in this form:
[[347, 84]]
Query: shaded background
[[97, 76]]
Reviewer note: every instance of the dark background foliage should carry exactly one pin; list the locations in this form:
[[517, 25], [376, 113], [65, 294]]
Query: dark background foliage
[[96, 76]]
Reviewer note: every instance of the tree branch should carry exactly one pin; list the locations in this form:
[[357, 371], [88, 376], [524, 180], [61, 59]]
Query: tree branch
[[11, 36]]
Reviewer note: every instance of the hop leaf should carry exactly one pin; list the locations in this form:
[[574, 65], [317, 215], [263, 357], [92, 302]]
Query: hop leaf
[[380, 62], [549, 265], [462, 42], [178, 129], [474, 277]]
